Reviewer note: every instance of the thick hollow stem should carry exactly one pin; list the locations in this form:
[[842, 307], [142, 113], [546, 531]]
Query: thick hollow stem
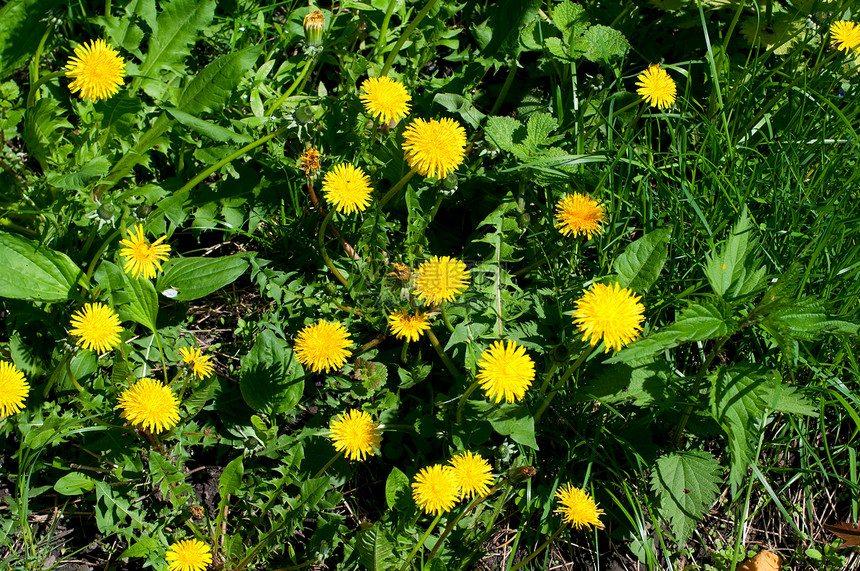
[[405, 36], [420, 543], [324, 253], [449, 364], [390, 194]]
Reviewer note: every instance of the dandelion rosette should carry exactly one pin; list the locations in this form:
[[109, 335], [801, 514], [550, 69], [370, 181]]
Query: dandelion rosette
[[579, 214], [97, 69], [385, 99], [441, 279], [14, 389], [407, 325], [435, 147], [97, 327], [611, 313], [656, 86], [150, 405], [323, 346], [506, 371], [200, 364], [355, 434], [141, 257], [188, 555], [845, 35], [435, 489], [310, 161], [348, 188], [578, 508], [473, 474]]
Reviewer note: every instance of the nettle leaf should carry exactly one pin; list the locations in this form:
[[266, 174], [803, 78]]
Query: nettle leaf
[[34, 272], [605, 44], [375, 548], [271, 379], [642, 261], [213, 87], [539, 127], [685, 484], [736, 271], [570, 19], [505, 132]]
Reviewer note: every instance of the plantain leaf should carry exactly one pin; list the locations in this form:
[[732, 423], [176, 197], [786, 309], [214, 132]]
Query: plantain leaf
[[34, 272], [193, 278]]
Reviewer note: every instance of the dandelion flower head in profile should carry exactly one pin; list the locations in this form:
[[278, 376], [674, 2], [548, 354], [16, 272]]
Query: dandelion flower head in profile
[[310, 161], [578, 508], [845, 35], [435, 147], [506, 371], [656, 86], [201, 365], [355, 434], [14, 389], [188, 555], [409, 326], [473, 474], [97, 69], [151, 405], [610, 313], [348, 188], [577, 214], [435, 489], [97, 327], [441, 279], [385, 99], [141, 257], [323, 345]]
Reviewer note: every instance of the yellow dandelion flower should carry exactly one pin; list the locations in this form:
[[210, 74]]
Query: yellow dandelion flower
[[579, 214], [408, 326], [473, 474], [97, 327], [151, 405], [188, 555], [323, 346], [348, 188], [98, 70], [441, 279], [656, 86], [578, 508], [355, 434], [845, 35], [435, 147], [611, 313], [141, 257], [200, 364], [385, 99], [14, 389], [310, 161], [435, 489], [506, 371]]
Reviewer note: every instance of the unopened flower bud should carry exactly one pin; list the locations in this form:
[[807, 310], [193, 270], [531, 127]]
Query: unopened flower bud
[[313, 24]]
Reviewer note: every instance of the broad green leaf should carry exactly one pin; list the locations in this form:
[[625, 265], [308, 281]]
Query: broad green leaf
[[212, 87], [645, 384], [605, 44], [570, 18], [271, 379], [95, 168], [375, 549], [539, 127], [111, 509], [736, 271], [194, 278], [231, 478], [43, 124], [785, 398], [505, 132], [685, 484], [141, 548], [206, 128], [143, 304], [74, 483], [123, 32], [458, 104], [22, 25], [640, 264], [397, 491], [178, 25], [34, 272], [170, 479], [313, 490], [517, 422], [507, 18]]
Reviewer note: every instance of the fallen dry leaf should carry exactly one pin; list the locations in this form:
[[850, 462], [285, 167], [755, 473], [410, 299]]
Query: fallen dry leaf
[[845, 531], [764, 561]]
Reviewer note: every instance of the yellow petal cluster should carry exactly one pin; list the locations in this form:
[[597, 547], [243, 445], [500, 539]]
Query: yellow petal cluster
[[356, 434]]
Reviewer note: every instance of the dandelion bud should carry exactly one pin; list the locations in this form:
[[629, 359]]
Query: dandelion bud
[[313, 24]]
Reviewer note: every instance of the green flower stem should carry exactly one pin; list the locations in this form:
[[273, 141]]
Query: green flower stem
[[460, 516], [540, 548], [547, 377], [445, 319], [441, 352], [390, 194], [324, 253], [31, 97], [420, 541], [369, 345], [99, 253], [328, 465], [564, 378], [383, 31], [538, 263], [405, 36], [403, 351], [462, 404], [310, 63], [509, 80]]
